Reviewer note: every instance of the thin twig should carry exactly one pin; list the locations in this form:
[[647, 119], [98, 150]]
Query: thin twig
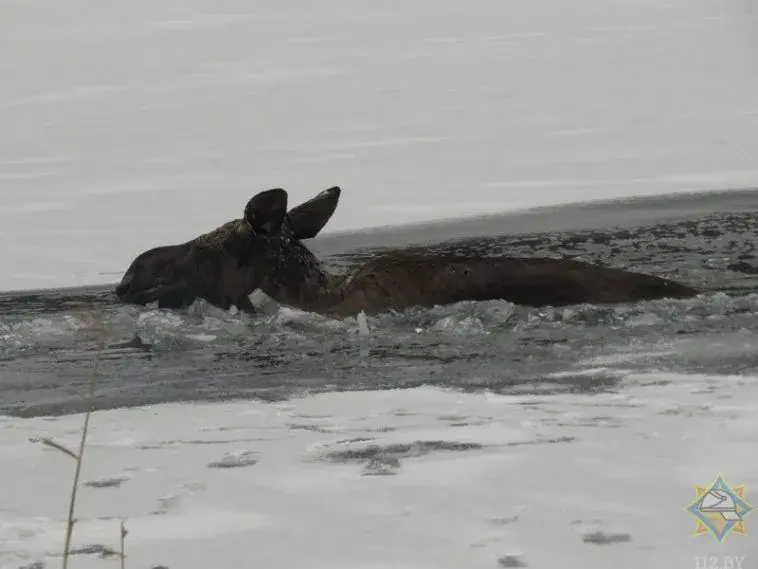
[[80, 455], [57, 446], [124, 533]]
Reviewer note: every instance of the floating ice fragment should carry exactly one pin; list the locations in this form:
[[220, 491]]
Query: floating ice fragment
[[201, 337], [363, 324]]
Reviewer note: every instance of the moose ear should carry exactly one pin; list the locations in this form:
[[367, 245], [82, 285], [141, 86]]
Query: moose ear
[[265, 212], [308, 218]]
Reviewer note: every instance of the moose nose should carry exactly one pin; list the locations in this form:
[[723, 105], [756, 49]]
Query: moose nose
[[123, 287]]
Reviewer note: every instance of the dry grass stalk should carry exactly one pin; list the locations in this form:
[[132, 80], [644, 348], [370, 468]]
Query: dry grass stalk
[[93, 323], [124, 533], [57, 446], [77, 472]]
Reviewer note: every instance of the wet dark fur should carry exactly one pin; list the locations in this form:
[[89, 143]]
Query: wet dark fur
[[227, 264], [400, 280], [264, 250]]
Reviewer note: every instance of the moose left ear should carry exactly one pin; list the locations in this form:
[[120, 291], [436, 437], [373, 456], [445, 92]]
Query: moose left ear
[[265, 212], [309, 218]]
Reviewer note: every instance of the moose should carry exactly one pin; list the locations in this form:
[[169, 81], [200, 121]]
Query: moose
[[264, 250]]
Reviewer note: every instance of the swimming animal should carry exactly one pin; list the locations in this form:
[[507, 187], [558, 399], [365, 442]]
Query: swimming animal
[[265, 250]]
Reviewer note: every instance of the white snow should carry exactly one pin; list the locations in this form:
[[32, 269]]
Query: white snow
[[247, 484], [129, 126]]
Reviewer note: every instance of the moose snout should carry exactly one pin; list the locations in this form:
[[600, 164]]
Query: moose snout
[[132, 290], [122, 288]]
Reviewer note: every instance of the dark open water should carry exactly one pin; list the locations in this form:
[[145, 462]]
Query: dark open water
[[47, 345]]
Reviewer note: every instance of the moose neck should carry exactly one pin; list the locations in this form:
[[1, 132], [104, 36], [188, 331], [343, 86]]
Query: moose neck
[[302, 281]]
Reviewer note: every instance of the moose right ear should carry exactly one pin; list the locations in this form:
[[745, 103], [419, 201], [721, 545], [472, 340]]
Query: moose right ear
[[265, 212]]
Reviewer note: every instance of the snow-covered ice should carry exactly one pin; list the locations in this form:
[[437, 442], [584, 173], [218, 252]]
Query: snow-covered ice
[[128, 126], [413, 478]]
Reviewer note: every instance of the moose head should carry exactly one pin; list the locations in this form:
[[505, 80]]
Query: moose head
[[224, 266]]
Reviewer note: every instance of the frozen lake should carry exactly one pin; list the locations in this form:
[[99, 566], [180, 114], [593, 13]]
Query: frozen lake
[[127, 126], [479, 435]]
